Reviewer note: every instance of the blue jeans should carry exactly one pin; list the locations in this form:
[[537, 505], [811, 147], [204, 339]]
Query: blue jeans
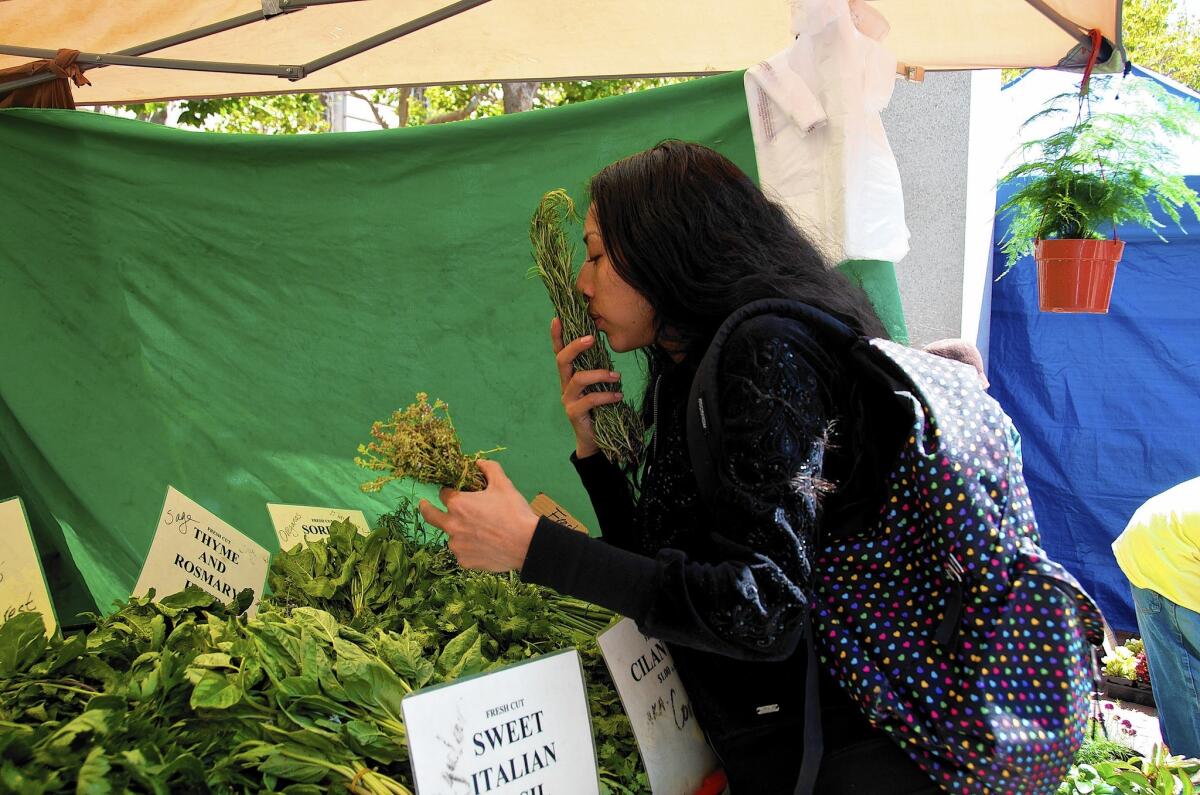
[[1172, 637]]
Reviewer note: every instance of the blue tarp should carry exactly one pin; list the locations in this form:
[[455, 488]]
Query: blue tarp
[[1108, 405]]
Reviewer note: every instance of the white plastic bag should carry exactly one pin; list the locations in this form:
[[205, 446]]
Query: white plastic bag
[[819, 141]]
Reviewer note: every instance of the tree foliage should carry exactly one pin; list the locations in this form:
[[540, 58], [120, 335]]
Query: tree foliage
[[403, 106], [1161, 35], [283, 113]]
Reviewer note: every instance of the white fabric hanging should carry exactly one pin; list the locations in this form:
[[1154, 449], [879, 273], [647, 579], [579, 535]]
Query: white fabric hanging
[[818, 138]]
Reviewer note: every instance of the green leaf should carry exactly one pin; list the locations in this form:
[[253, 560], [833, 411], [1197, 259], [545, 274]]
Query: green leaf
[[188, 599], [213, 660], [59, 749], [365, 737], [215, 691], [322, 625], [405, 654], [295, 686], [22, 641], [462, 656], [371, 684], [292, 763], [72, 649], [93, 774]]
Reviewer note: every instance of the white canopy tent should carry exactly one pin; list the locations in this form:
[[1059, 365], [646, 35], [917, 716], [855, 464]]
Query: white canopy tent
[[430, 42]]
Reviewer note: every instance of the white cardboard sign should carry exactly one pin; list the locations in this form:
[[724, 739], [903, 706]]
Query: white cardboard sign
[[22, 582], [193, 546], [296, 523], [523, 730], [672, 744]]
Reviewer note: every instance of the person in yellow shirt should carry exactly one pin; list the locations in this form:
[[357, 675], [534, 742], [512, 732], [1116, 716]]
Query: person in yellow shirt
[[1159, 551]]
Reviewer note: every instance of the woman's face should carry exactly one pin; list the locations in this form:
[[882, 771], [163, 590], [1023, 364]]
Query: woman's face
[[620, 311]]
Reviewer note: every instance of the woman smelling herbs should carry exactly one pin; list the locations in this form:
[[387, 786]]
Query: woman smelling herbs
[[677, 240]]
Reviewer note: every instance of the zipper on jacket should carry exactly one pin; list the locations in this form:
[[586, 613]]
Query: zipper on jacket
[[654, 431]]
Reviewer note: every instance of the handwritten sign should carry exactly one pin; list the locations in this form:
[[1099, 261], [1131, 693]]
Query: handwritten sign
[[22, 582], [523, 730], [671, 742], [194, 547], [296, 523], [544, 506]]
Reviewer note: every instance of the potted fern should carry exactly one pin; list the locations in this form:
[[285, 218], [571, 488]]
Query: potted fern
[[1078, 183]]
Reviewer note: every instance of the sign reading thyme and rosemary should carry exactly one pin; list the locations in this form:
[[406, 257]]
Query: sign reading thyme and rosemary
[[522, 730], [673, 748], [194, 547]]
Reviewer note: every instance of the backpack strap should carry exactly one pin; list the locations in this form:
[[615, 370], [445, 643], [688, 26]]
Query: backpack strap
[[814, 737], [704, 438], [704, 425]]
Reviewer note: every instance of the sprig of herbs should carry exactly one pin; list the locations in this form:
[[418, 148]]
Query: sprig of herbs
[[420, 443], [617, 426]]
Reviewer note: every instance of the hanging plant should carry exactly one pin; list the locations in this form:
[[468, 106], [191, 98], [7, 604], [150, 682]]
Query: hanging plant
[[1076, 185]]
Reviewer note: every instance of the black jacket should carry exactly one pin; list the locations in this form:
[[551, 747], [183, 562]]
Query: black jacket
[[728, 589]]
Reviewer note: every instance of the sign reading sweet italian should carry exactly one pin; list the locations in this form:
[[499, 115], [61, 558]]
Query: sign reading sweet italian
[[522, 730]]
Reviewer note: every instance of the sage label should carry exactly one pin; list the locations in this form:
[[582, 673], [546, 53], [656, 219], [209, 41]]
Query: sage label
[[194, 547]]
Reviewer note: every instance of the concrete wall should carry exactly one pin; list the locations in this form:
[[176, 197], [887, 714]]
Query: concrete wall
[[931, 127]]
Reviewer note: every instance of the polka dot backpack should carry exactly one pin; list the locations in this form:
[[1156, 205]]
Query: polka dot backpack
[[944, 620]]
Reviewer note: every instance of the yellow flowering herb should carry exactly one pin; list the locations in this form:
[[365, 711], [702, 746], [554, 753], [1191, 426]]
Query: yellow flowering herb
[[420, 443]]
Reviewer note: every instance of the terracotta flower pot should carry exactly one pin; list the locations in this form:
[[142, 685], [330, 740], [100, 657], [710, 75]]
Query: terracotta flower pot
[[1076, 275]]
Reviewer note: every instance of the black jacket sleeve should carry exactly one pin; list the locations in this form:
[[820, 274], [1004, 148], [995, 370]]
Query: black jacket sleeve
[[752, 604], [609, 491]]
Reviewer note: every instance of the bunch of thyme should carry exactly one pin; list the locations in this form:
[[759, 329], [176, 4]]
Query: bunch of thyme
[[617, 426], [420, 443]]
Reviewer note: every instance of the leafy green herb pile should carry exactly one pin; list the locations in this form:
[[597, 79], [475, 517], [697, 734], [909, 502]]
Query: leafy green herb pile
[[187, 695], [1157, 774]]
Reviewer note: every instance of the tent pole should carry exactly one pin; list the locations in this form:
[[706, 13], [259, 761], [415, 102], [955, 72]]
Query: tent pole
[[389, 35], [105, 59], [1072, 29], [287, 6]]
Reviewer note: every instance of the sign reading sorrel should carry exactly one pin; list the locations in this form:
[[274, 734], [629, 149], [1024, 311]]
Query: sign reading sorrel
[[22, 583], [296, 523], [673, 748], [522, 730], [194, 547]]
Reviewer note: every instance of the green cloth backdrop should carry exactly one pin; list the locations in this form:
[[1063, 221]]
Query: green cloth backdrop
[[229, 313]]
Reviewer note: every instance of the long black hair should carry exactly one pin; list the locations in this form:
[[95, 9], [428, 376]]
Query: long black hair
[[687, 229]]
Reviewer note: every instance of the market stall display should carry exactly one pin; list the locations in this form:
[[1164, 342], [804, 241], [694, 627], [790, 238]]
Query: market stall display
[[186, 695]]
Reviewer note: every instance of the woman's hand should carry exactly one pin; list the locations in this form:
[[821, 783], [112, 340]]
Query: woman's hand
[[577, 404], [489, 529]]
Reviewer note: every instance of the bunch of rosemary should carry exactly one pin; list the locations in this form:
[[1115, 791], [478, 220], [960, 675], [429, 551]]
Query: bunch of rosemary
[[420, 443], [617, 426]]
